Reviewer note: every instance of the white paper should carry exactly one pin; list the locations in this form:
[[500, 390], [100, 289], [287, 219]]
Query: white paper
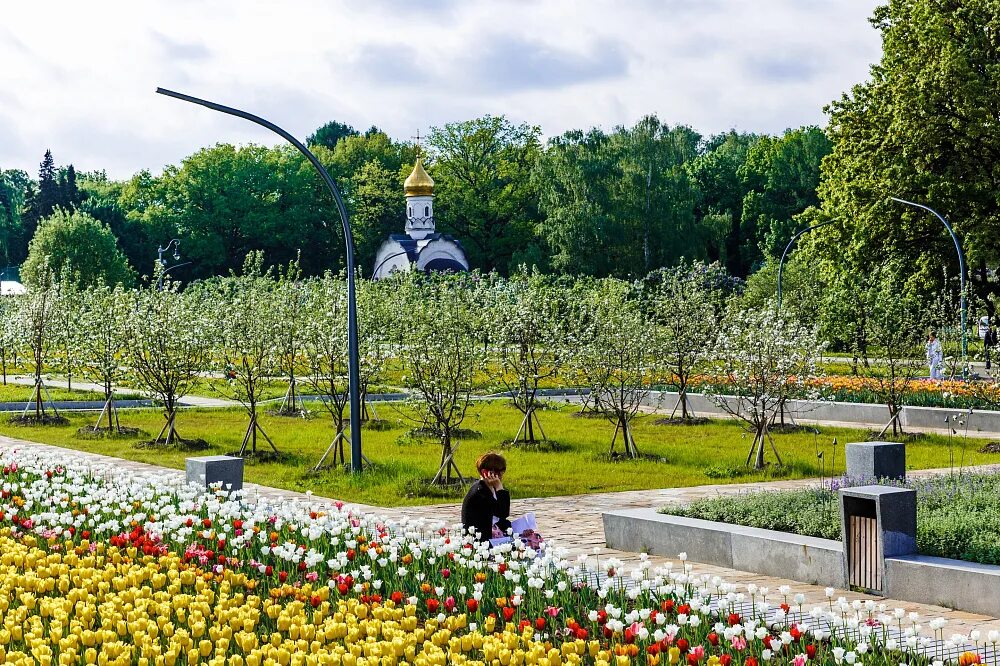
[[525, 522]]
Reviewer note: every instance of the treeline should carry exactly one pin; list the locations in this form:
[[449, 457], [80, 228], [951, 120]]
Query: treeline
[[618, 203]]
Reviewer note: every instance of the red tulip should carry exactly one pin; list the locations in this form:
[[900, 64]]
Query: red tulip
[[472, 605], [508, 613], [433, 605]]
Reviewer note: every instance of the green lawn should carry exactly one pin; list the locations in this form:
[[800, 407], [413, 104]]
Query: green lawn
[[684, 455], [22, 393]]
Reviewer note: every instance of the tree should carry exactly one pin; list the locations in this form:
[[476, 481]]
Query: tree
[[168, 344], [761, 359], [324, 345], [622, 203], [249, 341], [890, 323], [617, 356], [657, 188], [34, 329], [922, 127], [102, 323], [290, 296], [42, 202], [13, 244], [530, 341], [441, 350], [780, 175], [376, 209], [483, 187], [685, 307], [720, 204], [8, 332], [330, 134], [225, 202], [77, 243]]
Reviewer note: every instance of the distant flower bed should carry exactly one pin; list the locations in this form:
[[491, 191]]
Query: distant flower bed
[[922, 393], [958, 516]]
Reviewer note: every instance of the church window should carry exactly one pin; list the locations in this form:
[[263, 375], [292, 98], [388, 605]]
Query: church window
[[410, 209], [427, 211]]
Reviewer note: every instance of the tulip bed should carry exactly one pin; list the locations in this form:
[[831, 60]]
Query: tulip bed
[[101, 567]]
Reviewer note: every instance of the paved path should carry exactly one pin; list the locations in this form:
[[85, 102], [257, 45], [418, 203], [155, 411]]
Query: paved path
[[574, 522]]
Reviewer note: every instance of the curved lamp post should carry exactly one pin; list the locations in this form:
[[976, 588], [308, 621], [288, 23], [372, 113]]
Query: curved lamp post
[[354, 384], [781, 264], [382, 263], [961, 273]]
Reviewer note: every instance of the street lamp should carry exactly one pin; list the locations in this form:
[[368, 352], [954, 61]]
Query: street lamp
[[961, 274], [781, 264], [382, 263], [354, 383], [163, 262]]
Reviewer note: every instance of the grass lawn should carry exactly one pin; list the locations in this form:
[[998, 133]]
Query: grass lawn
[[22, 393], [683, 455]]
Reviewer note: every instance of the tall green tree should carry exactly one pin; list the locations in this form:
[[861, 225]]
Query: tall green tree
[[484, 190], [330, 134], [923, 128], [622, 203], [13, 245], [79, 244], [780, 175], [224, 202], [716, 170]]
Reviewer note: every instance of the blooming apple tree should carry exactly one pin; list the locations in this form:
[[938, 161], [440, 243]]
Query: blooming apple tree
[[168, 344], [102, 325], [530, 343], [440, 343], [760, 360]]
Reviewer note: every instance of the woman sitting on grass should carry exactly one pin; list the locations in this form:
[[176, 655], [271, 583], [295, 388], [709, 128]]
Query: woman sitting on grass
[[487, 499]]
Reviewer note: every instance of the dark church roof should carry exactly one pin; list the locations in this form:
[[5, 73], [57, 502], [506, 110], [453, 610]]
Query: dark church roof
[[442, 264]]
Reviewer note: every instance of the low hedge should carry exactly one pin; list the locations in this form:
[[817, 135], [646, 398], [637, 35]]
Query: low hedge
[[958, 515]]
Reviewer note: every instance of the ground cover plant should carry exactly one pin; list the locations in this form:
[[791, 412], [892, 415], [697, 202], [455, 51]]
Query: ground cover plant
[[958, 515], [693, 455], [108, 567]]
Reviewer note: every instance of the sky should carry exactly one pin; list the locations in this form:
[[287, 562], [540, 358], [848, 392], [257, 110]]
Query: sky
[[79, 77]]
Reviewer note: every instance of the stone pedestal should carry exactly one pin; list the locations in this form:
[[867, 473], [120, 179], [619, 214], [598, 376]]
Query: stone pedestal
[[877, 522], [876, 460], [207, 470]]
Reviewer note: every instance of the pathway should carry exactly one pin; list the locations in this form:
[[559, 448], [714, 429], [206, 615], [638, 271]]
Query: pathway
[[574, 522]]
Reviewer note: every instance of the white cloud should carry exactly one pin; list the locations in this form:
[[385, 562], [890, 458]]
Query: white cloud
[[79, 77]]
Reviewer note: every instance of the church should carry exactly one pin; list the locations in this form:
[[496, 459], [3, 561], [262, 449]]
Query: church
[[420, 248]]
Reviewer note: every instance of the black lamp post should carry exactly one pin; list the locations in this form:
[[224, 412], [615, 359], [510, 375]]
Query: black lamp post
[[163, 262], [961, 274], [781, 264], [357, 460]]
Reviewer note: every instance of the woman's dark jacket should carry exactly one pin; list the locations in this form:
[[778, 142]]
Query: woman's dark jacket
[[479, 507]]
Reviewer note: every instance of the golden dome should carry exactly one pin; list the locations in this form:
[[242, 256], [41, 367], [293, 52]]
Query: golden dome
[[419, 182]]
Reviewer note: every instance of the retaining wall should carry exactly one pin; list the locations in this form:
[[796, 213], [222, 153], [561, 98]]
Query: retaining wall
[[952, 583], [845, 412], [965, 586], [801, 558]]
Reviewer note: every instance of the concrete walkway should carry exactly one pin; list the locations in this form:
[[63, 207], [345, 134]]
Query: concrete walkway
[[574, 523]]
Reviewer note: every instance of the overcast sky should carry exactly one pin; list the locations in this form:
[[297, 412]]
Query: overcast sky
[[78, 77]]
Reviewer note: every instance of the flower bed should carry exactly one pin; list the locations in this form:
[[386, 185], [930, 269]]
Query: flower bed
[[922, 392], [958, 516], [100, 567]]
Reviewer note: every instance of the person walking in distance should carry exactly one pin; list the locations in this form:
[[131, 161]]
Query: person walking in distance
[[935, 356]]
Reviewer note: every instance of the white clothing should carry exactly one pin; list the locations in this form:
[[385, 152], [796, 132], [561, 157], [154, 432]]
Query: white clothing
[[935, 358]]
